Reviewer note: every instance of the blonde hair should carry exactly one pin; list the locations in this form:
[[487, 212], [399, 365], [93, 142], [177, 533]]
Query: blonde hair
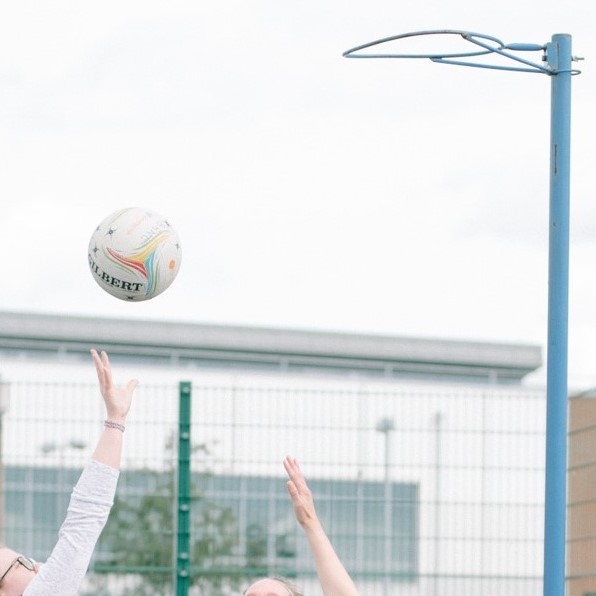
[[290, 587]]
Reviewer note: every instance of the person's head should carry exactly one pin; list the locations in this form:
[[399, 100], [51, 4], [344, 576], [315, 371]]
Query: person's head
[[16, 571], [272, 586]]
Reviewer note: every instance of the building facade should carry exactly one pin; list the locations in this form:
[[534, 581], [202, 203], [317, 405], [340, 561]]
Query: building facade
[[426, 457], [581, 525]]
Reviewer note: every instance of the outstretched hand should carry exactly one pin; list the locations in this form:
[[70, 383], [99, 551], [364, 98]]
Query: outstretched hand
[[116, 399], [302, 500], [335, 580]]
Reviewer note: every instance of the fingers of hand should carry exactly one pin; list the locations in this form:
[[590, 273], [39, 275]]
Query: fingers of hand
[[105, 361], [287, 466], [292, 467], [292, 490], [295, 474], [99, 367]]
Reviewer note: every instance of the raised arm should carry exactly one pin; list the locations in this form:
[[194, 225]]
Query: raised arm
[[117, 401], [334, 579], [92, 497]]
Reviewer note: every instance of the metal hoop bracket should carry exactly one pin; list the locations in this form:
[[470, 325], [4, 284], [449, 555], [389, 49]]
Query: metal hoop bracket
[[488, 44]]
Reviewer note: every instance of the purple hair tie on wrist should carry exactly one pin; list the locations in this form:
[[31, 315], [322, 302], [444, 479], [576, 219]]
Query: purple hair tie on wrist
[[112, 424]]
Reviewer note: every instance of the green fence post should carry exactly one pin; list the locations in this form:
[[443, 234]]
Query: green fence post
[[183, 509]]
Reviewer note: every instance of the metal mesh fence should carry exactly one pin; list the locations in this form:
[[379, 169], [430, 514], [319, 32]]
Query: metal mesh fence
[[425, 489]]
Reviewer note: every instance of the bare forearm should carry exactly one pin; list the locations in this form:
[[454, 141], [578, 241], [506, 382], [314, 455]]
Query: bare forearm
[[109, 448], [333, 577]]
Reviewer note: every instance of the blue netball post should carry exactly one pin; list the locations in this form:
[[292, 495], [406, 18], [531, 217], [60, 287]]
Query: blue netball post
[[555, 60]]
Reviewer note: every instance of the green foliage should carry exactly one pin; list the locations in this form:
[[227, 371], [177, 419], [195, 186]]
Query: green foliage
[[139, 538]]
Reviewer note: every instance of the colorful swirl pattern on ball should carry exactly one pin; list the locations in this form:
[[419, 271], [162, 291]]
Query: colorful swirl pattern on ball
[[143, 261]]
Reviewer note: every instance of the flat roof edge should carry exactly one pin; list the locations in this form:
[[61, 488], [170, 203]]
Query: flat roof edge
[[43, 331]]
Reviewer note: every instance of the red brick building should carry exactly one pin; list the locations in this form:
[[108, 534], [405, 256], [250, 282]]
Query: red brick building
[[581, 528]]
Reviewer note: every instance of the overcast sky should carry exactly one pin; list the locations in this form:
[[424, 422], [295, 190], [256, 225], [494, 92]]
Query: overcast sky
[[309, 191]]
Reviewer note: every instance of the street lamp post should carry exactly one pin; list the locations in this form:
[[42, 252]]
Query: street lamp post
[[556, 62], [385, 426]]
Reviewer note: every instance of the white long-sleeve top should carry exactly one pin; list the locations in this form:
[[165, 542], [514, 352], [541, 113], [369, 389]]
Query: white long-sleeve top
[[88, 511]]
